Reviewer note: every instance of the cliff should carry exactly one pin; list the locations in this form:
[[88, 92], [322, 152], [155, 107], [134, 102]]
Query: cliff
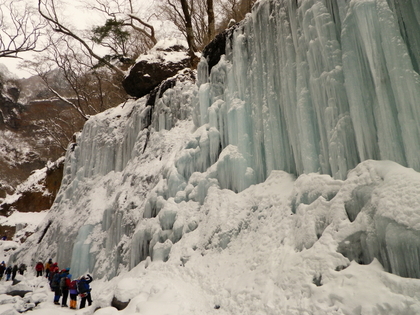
[[275, 158]]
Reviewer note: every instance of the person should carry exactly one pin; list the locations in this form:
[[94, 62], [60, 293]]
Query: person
[[73, 294], [55, 286], [14, 271], [64, 287], [8, 273], [47, 268], [2, 269], [22, 269], [83, 288], [53, 270], [39, 268]]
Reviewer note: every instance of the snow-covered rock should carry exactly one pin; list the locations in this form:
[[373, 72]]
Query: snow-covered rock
[[274, 194], [164, 60]]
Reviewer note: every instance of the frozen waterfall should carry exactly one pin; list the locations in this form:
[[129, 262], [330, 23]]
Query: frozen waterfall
[[318, 87], [308, 86]]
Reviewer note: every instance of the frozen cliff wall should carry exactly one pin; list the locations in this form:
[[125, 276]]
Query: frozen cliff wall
[[318, 86], [312, 86], [116, 176]]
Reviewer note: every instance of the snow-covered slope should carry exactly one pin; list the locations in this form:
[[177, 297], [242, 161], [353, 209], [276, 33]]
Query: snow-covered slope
[[236, 197]]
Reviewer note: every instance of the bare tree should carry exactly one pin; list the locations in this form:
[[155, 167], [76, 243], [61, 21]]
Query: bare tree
[[68, 73], [60, 127], [20, 30], [195, 19], [82, 85], [211, 21], [186, 10], [233, 10], [48, 10]]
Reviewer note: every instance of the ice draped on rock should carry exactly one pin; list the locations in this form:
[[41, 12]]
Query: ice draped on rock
[[306, 86], [319, 87]]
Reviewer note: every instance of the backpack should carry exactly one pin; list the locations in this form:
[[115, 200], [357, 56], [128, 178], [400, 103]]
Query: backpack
[[73, 285], [82, 286], [63, 284], [55, 281]]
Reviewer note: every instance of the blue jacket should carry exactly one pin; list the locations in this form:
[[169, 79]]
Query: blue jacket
[[83, 284]]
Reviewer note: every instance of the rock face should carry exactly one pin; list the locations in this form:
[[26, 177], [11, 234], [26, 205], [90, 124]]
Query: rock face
[[10, 110], [25, 144], [161, 63], [40, 194], [34, 195], [217, 47], [157, 92]]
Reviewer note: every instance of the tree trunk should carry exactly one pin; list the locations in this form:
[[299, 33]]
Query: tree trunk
[[210, 18], [189, 30]]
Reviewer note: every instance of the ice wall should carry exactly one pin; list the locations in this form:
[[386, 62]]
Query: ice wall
[[318, 86], [308, 86], [112, 210], [93, 211]]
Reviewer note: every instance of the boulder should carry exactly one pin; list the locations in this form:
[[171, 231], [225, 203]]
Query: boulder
[[119, 305], [162, 62], [20, 293]]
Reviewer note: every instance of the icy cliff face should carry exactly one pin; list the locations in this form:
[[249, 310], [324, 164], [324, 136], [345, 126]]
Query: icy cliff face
[[318, 86], [308, 86]]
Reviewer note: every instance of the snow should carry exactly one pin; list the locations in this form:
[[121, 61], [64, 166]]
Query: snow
[[270, 186], [23, 218], [250, 253], [162, 52], [13, 148]]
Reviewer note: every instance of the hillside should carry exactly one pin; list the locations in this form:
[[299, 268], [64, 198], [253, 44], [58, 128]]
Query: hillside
[[27, 144]]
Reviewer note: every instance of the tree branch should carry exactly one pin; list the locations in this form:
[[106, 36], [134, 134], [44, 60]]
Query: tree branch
[[52, 18]]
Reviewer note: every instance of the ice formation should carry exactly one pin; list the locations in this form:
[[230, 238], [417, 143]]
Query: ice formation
[[318, 87], [305, 87]]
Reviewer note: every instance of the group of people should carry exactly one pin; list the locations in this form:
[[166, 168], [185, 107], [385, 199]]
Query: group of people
[[61, 282], [10, 271], [62, 285]]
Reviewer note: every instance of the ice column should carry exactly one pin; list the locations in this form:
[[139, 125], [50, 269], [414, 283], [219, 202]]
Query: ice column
[[383, 88], [318, 86], [285, 105], [82, 260]]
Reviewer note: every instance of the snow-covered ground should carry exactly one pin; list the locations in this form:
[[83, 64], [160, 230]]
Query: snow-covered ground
[[271, 249]]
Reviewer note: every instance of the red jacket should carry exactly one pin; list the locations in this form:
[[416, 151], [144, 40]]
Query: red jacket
[[39, 266]]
